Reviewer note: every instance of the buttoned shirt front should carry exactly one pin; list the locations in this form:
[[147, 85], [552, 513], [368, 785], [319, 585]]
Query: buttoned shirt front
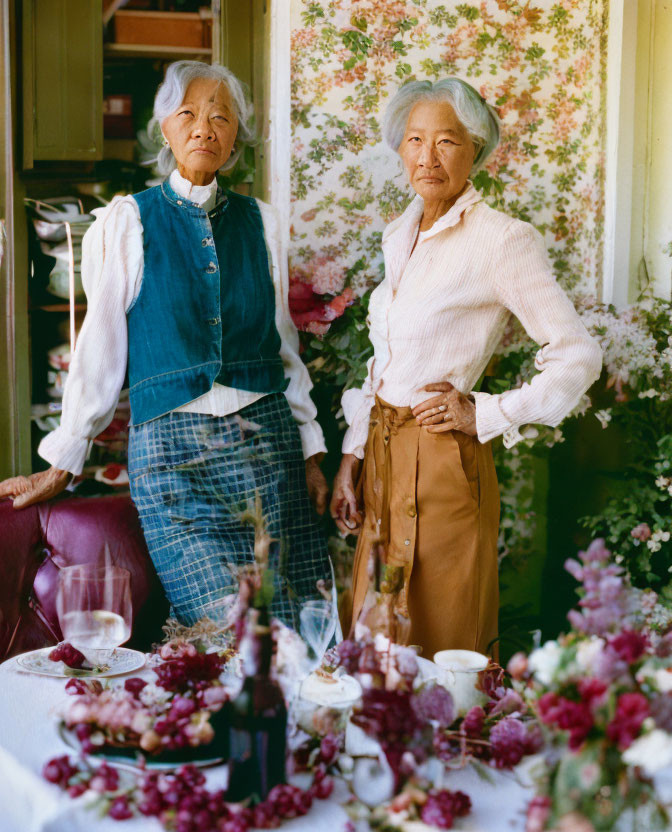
[[442, 309]]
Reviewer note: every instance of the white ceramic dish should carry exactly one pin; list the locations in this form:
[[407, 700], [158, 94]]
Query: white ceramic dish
[[118, 661]]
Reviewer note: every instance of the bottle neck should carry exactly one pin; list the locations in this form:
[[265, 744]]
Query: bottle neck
[[259, 652]]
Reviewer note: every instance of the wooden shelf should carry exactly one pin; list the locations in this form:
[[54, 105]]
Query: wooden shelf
[[168, 53]]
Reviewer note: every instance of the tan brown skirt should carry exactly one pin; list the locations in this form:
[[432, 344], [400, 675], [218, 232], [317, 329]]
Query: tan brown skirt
[[431, 506]]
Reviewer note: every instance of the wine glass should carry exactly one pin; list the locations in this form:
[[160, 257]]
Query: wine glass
[[318, 625], [93, 604]]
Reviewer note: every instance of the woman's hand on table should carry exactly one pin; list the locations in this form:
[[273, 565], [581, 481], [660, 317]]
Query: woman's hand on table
[[318, 490], [36, 488], [344, 509], [450, 410]]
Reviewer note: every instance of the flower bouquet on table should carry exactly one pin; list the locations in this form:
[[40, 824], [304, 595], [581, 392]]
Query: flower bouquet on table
[[404, 734], [603, 694]]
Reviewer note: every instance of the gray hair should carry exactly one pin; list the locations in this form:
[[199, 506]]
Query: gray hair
[[476, 115], [170, 95]]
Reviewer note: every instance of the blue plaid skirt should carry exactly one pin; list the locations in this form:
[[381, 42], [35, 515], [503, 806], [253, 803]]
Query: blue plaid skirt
[[193, 475]]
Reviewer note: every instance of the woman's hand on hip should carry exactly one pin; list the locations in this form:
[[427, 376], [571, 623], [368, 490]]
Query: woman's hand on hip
[[318, 490], [450, 410], [344, 508], [36, 488]]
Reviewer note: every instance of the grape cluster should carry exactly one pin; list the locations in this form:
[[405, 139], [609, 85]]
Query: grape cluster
[[67, 654], [198, 810], [59, 770], [182, 800], [348, 653], [189, 672], [443, 806], [62, 772]]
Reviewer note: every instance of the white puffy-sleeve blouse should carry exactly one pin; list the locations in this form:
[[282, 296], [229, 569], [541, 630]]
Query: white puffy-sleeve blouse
[[441, 311], [112, 267]]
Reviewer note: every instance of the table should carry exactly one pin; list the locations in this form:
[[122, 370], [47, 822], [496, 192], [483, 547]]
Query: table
[[29, 708]]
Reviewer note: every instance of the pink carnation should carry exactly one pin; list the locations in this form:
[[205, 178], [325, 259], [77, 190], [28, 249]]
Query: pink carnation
[[631, 710], [629, 645]]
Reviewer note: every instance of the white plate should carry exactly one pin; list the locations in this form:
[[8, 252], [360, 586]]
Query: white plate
[[118, 661]]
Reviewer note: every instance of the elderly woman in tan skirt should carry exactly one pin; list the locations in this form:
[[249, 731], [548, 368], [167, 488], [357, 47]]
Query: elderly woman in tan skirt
[[425, 499]]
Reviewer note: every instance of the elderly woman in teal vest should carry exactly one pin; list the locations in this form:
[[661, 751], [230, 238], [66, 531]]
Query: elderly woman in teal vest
[[186, 289]]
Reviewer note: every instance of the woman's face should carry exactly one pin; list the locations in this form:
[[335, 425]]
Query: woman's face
[[436, 151], [202, 130]]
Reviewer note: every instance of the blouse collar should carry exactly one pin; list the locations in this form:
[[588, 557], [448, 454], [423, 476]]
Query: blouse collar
[[204, 196], [410, 219]]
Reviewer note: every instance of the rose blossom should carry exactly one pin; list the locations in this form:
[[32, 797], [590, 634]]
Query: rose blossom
[[631, 710], [629, 645]]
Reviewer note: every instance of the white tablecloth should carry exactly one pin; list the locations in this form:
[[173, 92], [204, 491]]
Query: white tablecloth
[[29, 708]]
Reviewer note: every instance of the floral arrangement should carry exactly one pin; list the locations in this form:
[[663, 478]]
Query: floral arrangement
[[173, 713], [603, 694], [405, 734]]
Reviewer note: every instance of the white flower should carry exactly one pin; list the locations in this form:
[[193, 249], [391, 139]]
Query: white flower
[[648, 394], [152, 694], [529, 432], [652, 752], [544, 661], [603, 416], [653, 545], [588, 651], [663, 679], [662, 482]]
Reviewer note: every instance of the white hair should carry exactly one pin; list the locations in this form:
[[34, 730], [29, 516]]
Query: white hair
[[478, 118], [170, 95]]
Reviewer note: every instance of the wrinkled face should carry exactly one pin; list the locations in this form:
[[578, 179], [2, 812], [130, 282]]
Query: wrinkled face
[[202, 130], [437, 151]]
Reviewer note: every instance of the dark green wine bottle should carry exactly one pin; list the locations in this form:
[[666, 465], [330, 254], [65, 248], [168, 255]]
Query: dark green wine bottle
[[258, 718]]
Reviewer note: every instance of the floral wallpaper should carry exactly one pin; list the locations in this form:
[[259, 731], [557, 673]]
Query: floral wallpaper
[[541, 64]]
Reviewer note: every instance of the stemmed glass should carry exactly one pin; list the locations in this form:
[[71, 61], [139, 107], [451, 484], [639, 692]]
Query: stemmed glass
[[93, 604], [318, 625]]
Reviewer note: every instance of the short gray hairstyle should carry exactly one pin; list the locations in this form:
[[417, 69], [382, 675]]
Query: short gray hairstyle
[[170, 95], [478, 117]]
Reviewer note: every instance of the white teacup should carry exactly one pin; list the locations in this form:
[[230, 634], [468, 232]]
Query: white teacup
[[459, 671]]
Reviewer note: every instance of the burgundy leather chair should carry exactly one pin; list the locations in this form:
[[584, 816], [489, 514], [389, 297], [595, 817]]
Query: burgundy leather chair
[[38, 541]]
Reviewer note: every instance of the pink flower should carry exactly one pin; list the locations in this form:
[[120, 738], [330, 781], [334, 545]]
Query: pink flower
[[629, 645], [177, 649], [472, 724], [538, 813], [510, 702], [308, 308], [326, 276], [631, 710], [517, 665], [641, 532], [591, 690], [574, 717], [510, 741], [215, 697]]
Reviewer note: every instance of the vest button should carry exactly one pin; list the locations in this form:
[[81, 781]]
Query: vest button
[[179, 202], [206, 241], [212, 268]]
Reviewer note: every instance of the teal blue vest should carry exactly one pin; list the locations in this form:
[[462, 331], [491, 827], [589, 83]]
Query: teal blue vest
[[206, 307]]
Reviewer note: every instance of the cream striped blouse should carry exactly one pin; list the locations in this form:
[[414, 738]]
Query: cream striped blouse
[[441, 311]]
